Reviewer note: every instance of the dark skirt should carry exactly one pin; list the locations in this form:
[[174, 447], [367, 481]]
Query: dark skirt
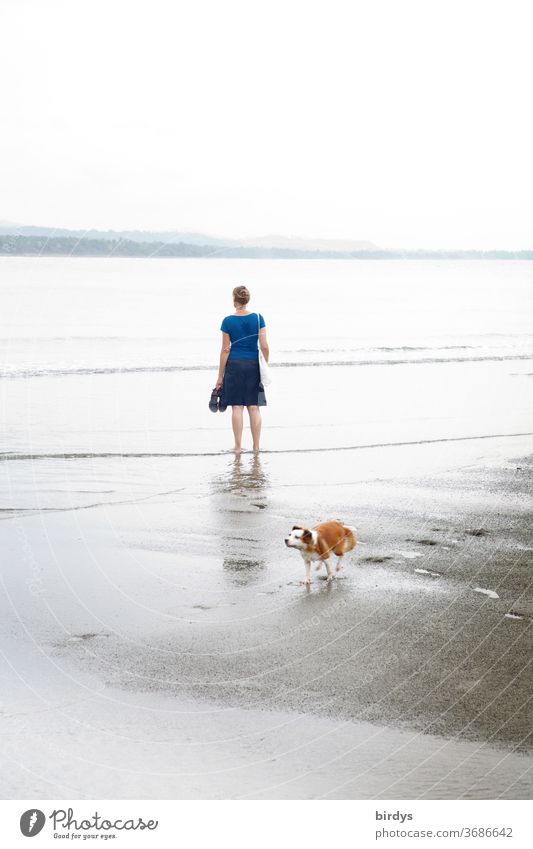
[[242, 384]]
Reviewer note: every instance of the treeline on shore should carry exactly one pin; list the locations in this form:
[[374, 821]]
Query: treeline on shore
[[18, 245]]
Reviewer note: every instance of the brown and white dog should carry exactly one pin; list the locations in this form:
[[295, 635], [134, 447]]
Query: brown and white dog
[[319, 542]]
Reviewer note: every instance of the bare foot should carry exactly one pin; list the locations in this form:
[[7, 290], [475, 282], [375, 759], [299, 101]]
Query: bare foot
[[236, 450]]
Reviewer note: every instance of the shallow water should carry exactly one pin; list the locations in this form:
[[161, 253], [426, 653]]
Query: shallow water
[[178, 578], [194, 749], [69, 315], [119, 356]]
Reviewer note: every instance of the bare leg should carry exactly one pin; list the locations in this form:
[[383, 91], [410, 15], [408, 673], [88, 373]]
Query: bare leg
[[307, 572], [255, 425], [236, 423]]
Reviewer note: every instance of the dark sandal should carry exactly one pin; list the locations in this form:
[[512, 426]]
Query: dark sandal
[[213, 403]]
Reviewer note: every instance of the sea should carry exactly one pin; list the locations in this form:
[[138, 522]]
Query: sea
[[105, 360]]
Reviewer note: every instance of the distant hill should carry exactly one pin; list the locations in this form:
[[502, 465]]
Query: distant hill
[[10, 229], [295, 243], [176, 236], [28, 240]]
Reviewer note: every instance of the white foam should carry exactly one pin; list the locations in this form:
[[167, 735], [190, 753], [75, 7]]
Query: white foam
[[490, 593], [427, 572], [410, 555]]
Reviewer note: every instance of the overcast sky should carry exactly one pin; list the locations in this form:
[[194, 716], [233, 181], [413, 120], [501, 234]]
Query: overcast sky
[[405, 123]]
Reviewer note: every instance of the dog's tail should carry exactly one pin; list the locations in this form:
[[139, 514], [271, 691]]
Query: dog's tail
[[350, 532], [351, 536], [347, 527]]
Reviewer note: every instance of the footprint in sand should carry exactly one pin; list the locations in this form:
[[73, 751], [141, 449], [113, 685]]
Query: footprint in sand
[[423, 541], [78, 638], [376, 559]]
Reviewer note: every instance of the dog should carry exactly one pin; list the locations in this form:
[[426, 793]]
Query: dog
[[319, 542]]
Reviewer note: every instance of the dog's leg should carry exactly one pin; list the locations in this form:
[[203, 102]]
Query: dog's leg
[[339, 564], [307, 572], [330, 573]]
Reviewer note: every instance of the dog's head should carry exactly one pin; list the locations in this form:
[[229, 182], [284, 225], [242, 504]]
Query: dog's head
[[299, 537]]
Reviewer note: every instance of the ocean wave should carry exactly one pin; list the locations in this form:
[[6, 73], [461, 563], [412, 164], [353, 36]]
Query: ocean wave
[[19, 373], [381, 348], [143, 455]]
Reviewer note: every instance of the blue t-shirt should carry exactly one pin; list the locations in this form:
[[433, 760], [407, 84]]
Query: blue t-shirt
[[244, 335]]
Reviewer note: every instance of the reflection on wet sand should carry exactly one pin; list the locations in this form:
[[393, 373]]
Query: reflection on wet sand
[[239, 500], [246, 474]]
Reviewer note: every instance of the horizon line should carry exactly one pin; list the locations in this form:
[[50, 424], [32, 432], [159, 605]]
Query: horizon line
[[4, 224]]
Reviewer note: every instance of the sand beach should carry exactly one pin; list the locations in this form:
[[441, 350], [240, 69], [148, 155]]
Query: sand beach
[[157, 641]]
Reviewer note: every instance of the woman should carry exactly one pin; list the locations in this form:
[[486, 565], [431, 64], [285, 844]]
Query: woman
[[239, 381]]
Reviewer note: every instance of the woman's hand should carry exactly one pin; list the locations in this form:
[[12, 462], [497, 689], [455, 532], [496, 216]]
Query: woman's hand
[[224, 354]]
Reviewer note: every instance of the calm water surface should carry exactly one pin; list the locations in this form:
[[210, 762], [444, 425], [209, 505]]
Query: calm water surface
[[118, 356]]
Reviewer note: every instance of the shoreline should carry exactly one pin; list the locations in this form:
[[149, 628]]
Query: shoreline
[[9, 457], [180, 601]]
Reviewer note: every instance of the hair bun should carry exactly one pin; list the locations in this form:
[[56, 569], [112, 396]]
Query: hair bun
[[241, 295]]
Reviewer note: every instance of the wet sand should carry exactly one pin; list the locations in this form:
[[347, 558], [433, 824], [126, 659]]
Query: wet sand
[[156, 637], [166, 647]]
